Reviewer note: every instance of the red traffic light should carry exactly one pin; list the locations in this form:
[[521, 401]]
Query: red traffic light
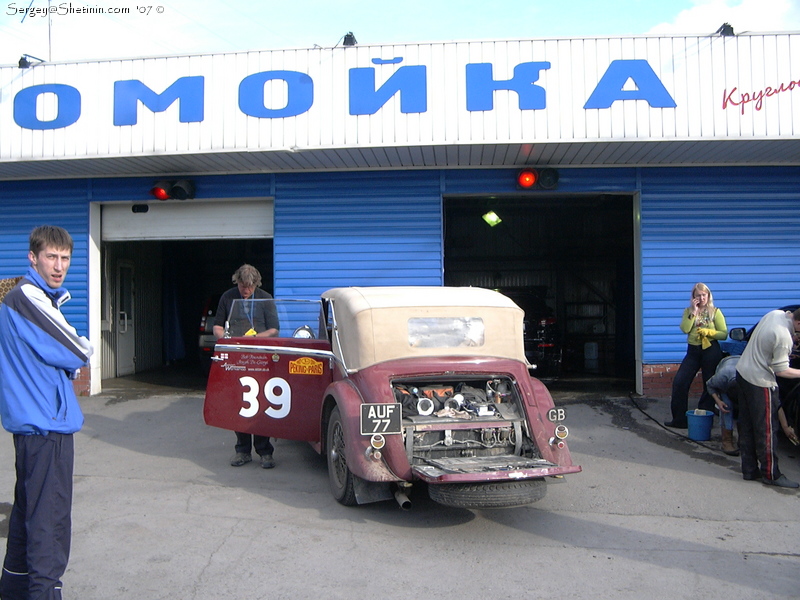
[[161, 190], [527, 178], [179, 190], [545, 179]]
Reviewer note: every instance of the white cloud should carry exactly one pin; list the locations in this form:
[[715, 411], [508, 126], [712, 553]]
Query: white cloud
[[745, 16]]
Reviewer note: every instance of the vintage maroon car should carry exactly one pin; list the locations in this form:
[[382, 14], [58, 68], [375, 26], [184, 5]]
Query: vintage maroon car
[[398, 385]]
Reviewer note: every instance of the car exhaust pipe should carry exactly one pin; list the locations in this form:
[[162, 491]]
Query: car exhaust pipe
[[402, 499]]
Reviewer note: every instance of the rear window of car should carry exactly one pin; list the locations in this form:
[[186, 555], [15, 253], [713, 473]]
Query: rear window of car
[[445, 332]]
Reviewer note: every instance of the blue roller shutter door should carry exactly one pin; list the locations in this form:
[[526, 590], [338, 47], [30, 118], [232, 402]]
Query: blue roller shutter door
[[356, 229]]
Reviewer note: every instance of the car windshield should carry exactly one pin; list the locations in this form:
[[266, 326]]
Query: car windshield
[[292, 318]]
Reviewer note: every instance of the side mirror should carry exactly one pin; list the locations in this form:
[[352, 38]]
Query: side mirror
[[737, 334]]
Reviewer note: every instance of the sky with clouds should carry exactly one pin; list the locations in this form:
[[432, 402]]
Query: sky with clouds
[[73, 29]]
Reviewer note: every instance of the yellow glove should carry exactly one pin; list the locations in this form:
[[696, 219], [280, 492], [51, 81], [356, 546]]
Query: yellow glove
[[705, 333]]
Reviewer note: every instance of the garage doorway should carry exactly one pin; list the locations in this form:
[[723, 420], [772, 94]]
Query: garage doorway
[[170, 285], [161, 264], [567, 259]]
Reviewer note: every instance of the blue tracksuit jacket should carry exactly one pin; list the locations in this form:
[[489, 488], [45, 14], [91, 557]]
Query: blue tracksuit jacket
[[39, 353]]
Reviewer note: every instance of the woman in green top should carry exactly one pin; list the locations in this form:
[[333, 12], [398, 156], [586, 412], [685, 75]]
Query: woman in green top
[[704, 325]]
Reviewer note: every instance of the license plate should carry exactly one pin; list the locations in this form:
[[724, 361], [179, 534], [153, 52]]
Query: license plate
[[381, 418]]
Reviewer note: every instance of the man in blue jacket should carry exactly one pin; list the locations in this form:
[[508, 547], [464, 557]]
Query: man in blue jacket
[[40, 354]]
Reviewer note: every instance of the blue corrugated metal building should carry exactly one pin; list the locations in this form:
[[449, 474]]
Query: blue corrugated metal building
[[635, 221]]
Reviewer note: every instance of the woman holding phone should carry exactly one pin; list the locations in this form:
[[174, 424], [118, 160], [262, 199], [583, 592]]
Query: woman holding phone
[[704, 325]]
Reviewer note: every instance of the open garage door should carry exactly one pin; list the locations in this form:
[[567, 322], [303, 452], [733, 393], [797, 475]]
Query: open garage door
[[189, 220], [567, 260], [177, 256]]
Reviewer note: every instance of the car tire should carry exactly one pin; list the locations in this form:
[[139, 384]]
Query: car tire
[[503, 494], [339, 475]]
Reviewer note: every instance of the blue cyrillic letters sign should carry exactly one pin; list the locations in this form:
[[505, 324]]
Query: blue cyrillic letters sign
[[69, 106], [410, 82], [609, 88], [300, 89], [481, 86], [189, 90]]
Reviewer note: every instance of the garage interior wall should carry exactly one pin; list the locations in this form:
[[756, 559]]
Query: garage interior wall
[[148, 306]]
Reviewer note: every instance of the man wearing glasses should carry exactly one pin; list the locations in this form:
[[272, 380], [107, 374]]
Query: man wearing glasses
[[247, 318]]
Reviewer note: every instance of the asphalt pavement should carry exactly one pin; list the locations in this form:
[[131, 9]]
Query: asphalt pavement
[[159, 514]]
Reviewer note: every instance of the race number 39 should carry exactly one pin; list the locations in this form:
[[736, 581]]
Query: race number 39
[[277, 392]]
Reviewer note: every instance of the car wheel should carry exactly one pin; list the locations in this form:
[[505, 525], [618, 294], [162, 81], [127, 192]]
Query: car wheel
[[503, 494], [339, 475]]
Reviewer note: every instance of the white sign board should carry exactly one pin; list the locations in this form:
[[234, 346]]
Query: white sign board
[[531, 91]]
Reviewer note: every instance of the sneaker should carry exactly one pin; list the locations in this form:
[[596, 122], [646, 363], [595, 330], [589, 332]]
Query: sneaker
[[267, 462], [677, 424], [781, 481], [752, 476], [240, 459]]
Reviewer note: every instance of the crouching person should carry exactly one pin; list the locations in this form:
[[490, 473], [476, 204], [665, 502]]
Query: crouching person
[[723, 388]]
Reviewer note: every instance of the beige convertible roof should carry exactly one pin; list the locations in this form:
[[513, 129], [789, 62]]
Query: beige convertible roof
[[376, 324]]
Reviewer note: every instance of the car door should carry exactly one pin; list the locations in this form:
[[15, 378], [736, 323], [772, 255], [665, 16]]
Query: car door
[[269, 386]]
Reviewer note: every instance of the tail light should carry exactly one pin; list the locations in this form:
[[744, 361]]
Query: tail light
[[207, 313], [559, 436]]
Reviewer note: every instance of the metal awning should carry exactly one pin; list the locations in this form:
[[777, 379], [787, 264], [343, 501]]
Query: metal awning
[[677, 153]]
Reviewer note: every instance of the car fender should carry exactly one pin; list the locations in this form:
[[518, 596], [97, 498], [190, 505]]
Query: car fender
[[345, 395], [539, 408]]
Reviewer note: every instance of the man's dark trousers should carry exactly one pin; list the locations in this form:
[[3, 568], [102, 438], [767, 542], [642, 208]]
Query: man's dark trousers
[[262, 445], [40, 526], [758, 429]]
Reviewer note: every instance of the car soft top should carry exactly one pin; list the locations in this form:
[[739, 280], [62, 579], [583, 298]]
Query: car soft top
[[379, 324]]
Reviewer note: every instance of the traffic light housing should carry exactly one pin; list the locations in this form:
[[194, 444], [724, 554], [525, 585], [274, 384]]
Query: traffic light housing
[[182, 189], [531, 179]]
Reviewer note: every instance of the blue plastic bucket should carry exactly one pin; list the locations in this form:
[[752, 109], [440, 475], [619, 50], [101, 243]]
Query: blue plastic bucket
[[700, 423]]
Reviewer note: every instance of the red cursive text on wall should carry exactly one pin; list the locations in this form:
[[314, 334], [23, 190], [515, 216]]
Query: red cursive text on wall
[[742, 99]]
